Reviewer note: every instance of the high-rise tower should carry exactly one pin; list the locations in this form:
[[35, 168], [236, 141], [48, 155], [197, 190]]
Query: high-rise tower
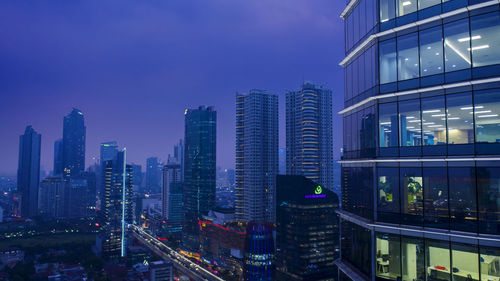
[[256, 156], [74, 133], [28, 172]]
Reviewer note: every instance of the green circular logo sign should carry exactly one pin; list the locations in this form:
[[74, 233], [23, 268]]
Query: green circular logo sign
[[318, 190]]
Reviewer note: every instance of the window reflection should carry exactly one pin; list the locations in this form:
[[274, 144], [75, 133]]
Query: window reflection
[[422, 4], [437, 260], [460, 121], [487, 115], [409, 126], [387, 10], [388, 67], [433, 121], [485, 39], [490, 263], [408, 60], [412, 195], [388, 124], [412, 262], [388, 256], [431, 51], [488, 185], [464, 259], [463, 207], [388, 194], [406, 7], [457, 45], [436, 197]]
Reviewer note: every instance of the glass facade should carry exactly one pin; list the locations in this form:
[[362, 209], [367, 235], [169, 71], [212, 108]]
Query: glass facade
[[420, 166]]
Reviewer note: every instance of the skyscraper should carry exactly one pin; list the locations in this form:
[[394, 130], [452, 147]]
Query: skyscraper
[[53, 197], [258, 261], [199, 169], [178, 157], [421, 169], [172, 197], [109, 150], [117, 206], [74, 133], [256, 156], [153, 176], [307, 230], [28, 172], [58, 157], [309, 139]]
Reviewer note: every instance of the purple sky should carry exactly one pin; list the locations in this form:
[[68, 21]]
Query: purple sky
[[132, 67]]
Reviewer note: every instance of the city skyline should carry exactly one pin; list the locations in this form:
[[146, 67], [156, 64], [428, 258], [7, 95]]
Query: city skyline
[[144, 99]]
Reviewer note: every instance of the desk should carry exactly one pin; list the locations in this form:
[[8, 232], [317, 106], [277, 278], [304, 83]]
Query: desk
[[382, 266], [461, 273]]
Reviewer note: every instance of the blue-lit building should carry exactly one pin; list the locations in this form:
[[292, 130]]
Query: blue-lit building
[[421, 165], [153, 176], [73, 144], [258, 261], [28, 172], [172, 205]]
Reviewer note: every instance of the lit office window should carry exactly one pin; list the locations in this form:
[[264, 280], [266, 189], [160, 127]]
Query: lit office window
[[460, 119], [457, 45], [463, 207], [388, 124], [388, 65], [388, 194], [388, 256], [485, 39], [387, 10], [431, 51], [433, 121], [488, 191], [411, 195], [490, 263], [410, 131], [487, 116], [412, 261], [437, 260], [465, 262], [408, 60], [436, 197], [422, 4], [406, 7]]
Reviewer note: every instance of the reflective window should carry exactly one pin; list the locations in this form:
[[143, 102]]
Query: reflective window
[[433, 121], [465, 265], [406, 7], [388, 256], [410, 131], [422, 4], [387, 10], [488, 185], [431, 51], [487, 114], [388, 124], [408, 60], [437, 262], [457, 45], [412, 262], [436, 197], [388, 194], [485, 39], [356, 243], [490, 263], [463, 207], [411, 195], [460, 119], [388, 66]]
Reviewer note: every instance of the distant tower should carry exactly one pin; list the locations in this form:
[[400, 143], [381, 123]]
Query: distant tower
[[74, 133], [309, 135], [179, 156], [153, 176], [172, 197], [199, 168], [117, 206], [109, 150], [58, 157], [256, 156], [28, 173]]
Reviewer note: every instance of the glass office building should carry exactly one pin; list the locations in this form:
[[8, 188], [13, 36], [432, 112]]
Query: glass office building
[[421, 163]]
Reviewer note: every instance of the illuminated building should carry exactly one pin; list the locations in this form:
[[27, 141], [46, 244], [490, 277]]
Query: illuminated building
[[58, 154], [258, 261], [307, 230], [172, 197], [309, 140], [199, 170], [256, 156], [420, 171], [153, 176], [74, 133], [117, 206], [161, 271], [52, 197], [28, 172]]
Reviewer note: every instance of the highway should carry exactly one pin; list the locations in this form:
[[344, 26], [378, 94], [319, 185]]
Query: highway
[[180, 262]]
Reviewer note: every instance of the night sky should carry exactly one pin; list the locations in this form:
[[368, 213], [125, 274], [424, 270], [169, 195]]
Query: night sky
[[132, 67]]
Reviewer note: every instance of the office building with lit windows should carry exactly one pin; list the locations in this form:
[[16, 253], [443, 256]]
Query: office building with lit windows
[[256, 156], [421, 165], [73, 144], [309, 139]]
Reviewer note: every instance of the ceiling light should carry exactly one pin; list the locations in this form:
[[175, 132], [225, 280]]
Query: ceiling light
[[431, 111], [470, 107], [471, 38], [429, 123], [413, 121], [406, 3], [486, 116], [438, 115], [452, 118], [483, 111], [479, 47], [385, 123], [434, 126]]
